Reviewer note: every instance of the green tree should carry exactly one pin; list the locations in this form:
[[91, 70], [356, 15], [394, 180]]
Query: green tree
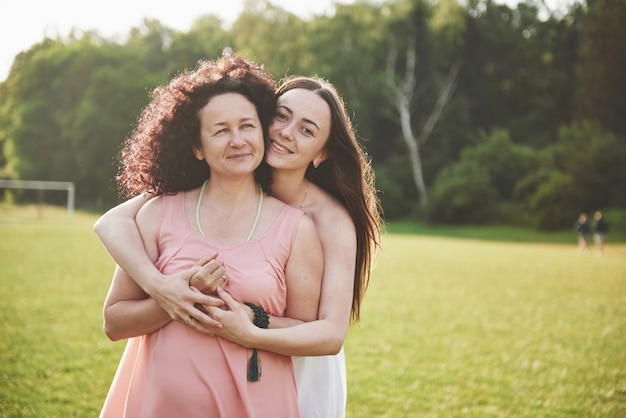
[[518, 70], [41, 93], [555, 202], [74, 102], [463, 193], [506, 162], [594, 159], [416, 79], [499, 166], [68, 103], [105, 116], [151, 42], [603, 65], [271, 35], [206, 39]]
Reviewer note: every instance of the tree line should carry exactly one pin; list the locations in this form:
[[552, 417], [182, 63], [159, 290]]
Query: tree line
[[505, 114]]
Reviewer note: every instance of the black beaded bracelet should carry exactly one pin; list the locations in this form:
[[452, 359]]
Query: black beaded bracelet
[[261, 318]]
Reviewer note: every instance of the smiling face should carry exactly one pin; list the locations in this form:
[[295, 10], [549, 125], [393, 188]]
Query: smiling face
[[231, 135], [299, 130]]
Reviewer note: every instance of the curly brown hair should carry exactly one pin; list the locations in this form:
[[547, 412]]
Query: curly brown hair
[[346, 174], [158, 156]]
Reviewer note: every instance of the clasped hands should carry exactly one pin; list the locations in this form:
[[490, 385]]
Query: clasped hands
[[199, 293]]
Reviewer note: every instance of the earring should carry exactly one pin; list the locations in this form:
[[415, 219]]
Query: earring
[[319, 160]]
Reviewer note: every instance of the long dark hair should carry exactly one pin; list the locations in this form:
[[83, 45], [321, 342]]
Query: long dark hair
[[346, 174], [158, 156]]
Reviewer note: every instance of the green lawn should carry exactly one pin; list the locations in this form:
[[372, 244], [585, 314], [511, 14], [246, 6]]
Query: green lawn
[[451, 327]]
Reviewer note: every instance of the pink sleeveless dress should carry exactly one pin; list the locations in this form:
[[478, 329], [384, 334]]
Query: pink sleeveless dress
[[178, 372]]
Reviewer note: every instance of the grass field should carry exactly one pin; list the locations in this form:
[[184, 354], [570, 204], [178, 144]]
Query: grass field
[[451, 327]]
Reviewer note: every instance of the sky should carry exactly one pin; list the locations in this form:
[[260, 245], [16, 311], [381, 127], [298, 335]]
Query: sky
[[30, 21]]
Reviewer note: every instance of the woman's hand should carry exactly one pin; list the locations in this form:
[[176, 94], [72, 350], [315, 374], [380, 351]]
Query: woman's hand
[[180, 301], [236, 320], [209, 276]]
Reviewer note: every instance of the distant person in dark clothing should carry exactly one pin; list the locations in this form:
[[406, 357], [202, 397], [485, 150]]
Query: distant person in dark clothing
[[600, 229], [582, 230]]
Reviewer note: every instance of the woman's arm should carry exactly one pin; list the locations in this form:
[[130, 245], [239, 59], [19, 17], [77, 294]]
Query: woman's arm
[[128, 310], [324, 336], [119, 234], [118, 231], [303, 273]]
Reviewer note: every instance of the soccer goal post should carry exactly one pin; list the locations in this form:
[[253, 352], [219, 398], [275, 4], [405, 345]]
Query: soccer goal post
[[44, 185]]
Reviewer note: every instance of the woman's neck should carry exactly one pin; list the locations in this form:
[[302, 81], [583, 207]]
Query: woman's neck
[[231, 194], [230, 209], [290, 188]]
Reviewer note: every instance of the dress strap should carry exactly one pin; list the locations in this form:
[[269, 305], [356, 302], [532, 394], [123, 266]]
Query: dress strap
[[258, 213], [198, 207]]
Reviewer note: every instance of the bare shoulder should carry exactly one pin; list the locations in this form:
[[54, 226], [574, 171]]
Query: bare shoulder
[[331, 217], [150, 211], [272, 208], [152, 205], [273, 203], [271, 211]]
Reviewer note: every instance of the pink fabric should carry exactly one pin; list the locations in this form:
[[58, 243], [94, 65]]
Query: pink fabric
[[177, 371]]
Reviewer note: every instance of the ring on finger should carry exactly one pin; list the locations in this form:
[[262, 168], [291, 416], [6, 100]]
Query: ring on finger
[[188, 321]]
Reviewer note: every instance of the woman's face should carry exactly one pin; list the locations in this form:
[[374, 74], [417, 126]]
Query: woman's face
[[299, 130], [231, 135]]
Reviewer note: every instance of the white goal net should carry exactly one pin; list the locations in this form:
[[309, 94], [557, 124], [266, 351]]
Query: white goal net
[[44, 185]]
